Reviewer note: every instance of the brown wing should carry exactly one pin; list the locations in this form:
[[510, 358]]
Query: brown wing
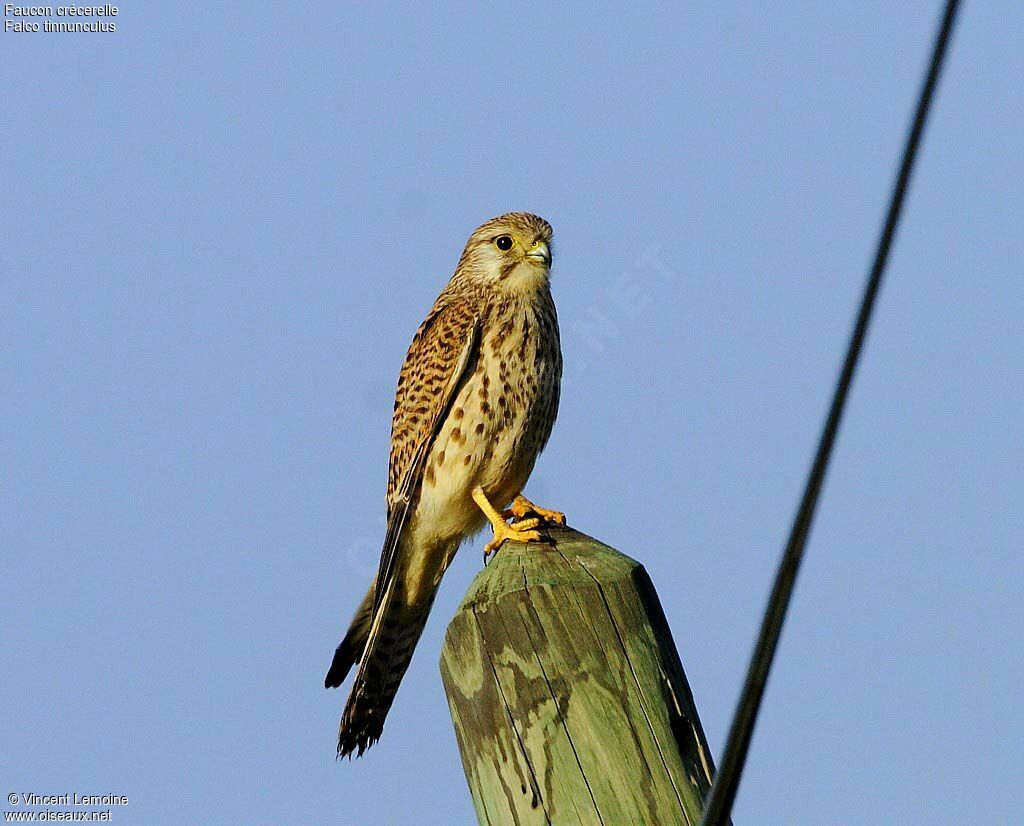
[[442, 355]]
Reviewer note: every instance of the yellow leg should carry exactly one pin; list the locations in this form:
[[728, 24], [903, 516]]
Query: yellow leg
[[522, 531], [521, 506]]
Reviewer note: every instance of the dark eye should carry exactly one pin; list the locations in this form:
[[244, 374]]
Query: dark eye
[[503, 242]]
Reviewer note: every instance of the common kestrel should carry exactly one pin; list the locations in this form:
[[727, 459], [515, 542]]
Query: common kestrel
[[477, 398]]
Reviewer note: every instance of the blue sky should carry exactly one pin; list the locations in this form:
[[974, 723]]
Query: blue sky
[[222, 227]]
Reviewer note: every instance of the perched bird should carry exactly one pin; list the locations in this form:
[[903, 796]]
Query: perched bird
[[477, 398]]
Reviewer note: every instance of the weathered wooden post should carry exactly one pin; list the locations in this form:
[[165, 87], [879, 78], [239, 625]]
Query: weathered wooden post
[[569, 701]]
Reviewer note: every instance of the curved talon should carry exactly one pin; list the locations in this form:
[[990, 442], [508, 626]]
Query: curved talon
[[556, 517], [514, 532], [522, 530], [522, 506]]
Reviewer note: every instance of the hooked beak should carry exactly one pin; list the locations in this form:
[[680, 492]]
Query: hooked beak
[[540, 253]]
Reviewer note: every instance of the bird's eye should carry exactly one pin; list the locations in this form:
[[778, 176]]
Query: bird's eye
[[503, 242]]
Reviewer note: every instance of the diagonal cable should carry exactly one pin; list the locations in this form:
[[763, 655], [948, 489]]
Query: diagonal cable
[[723, 792]]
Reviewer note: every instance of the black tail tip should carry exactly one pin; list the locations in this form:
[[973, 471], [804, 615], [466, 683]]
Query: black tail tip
[[355, 745], [359, 730]]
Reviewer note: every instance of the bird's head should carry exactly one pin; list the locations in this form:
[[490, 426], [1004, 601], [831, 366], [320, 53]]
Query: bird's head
[[511, 253]]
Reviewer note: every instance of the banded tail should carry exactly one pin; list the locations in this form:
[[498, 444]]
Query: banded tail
[[382, 642]]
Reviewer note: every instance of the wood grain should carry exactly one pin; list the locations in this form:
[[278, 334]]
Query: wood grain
[[569, 701]]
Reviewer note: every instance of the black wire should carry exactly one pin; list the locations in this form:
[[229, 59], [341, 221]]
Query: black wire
[[723, 792]]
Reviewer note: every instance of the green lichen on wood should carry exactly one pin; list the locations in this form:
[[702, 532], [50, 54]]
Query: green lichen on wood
[[569, 701]]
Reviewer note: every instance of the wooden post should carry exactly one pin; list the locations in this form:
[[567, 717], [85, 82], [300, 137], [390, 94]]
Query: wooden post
[[569, 701]]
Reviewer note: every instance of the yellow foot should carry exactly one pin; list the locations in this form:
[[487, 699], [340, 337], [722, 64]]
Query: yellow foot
[[519, 532], [523, 530], [521, 506]]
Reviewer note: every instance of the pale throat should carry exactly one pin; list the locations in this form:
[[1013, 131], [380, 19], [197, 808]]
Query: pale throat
[[526, 279]]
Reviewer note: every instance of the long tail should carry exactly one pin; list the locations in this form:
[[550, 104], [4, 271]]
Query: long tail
[[382, 642], [384, 663]]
